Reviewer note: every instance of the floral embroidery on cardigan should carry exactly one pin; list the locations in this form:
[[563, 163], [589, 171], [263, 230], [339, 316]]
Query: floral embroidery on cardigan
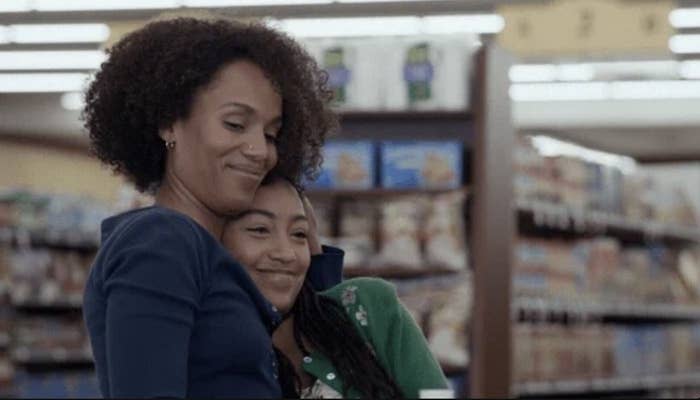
[[348, 296], [361, 315]]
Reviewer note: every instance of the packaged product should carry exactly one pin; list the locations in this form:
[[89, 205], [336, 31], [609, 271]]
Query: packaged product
[[445, 232], [399, 232], [346, 165], [421, 164]]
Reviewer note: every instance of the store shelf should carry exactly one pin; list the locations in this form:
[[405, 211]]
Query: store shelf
[[614, 385], [449, 369], [376, 193], [4, 340], [70, 241], [539, 309], [55, 359], [395, 272], [43, 307], [559, 218], [460, 115]]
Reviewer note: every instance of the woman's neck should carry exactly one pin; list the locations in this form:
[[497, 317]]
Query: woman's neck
[[283, 339], [174, 195]]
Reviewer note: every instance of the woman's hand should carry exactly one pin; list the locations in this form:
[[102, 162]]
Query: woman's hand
[[313, 238]]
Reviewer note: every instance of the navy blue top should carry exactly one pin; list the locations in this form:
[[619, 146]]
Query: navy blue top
[[171, 314]]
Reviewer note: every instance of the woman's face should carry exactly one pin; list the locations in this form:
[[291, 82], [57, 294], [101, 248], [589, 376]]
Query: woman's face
[[270, 241], [227, 143]]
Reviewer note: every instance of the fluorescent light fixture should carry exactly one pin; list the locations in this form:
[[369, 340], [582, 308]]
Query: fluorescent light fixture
[[533, 73], [88, 5], [72, 101], [575, 72], [468, 23], [48, 60], [641, 90], [564, 91], [390, 26], [689, 69], [3, 35], [237, 3], [356, 26], [597, 91], [551, 72], [42, 82], [550, 147], [14, 6], [58, 33], [685, 18], [685, 44]]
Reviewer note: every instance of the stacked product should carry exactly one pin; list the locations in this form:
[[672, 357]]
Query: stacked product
[[416, 73], [442, 307], [544, 352], [600, 270], [422, 231], [48, 276], [585, 185]]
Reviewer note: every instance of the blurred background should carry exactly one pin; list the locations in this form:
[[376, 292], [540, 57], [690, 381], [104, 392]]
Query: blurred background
[[527, 173]]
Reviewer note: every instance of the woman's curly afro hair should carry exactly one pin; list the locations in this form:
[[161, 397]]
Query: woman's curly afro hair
[[152, 75]]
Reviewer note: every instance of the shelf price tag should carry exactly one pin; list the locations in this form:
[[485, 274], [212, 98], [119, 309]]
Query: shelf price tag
[[586, 27]]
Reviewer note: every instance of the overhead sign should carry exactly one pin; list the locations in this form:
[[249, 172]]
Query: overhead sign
[[586, 27]]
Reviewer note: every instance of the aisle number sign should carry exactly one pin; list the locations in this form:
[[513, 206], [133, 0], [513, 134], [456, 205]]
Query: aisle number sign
[[586, 27]]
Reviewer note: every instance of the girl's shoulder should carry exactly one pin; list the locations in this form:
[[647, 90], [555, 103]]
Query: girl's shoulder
[[366, 291]]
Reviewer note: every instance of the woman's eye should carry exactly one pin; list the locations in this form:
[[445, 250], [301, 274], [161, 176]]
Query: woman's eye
[[234, 126], [271, 138]]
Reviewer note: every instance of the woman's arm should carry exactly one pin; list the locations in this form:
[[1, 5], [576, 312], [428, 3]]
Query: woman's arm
[[152, 288]]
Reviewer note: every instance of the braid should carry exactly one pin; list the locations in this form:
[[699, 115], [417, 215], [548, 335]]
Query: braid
[[327, 328]]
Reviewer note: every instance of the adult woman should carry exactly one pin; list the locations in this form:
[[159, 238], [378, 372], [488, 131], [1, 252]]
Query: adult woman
[[196, 112], [353, 340]]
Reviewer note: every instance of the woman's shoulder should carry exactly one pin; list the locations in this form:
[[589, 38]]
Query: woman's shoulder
[[148, 222], [362, 290]]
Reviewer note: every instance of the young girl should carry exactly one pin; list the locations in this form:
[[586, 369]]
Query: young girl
[[353, 340]]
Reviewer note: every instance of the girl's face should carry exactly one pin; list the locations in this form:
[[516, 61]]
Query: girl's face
[[270, 241], [227, 143]]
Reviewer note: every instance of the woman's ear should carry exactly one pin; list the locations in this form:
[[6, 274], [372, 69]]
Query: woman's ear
[[167, 134]]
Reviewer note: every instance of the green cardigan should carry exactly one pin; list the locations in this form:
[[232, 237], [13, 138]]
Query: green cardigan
[[384, 323]]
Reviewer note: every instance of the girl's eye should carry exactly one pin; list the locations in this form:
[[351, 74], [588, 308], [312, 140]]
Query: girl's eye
[[300, 235], [260, 230], [272, 138]]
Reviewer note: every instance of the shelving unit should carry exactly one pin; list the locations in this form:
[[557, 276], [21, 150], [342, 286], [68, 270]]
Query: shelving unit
[[600, 387], [543, 217]]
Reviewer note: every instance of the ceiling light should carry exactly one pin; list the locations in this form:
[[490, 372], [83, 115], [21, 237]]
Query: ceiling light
[[685, 18], [58, 33], [642, 90], [560, 91], [14, 6], [689, 69], [551, 72], [685, 44], [72, 101], [42, 82], [88, 5], [236, 3], [469, 23], [595, 91], [390, 26], [3, 35], [45, 60]]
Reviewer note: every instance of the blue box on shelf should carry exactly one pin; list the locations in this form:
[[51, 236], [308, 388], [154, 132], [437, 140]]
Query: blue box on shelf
[[346, 165], [421, 164]]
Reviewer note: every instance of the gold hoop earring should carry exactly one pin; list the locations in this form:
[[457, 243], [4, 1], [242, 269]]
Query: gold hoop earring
[[170, 145]]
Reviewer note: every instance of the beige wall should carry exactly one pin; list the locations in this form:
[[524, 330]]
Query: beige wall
[[55, 170]]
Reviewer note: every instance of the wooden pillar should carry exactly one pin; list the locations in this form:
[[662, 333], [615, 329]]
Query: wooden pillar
[[492, 227]]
